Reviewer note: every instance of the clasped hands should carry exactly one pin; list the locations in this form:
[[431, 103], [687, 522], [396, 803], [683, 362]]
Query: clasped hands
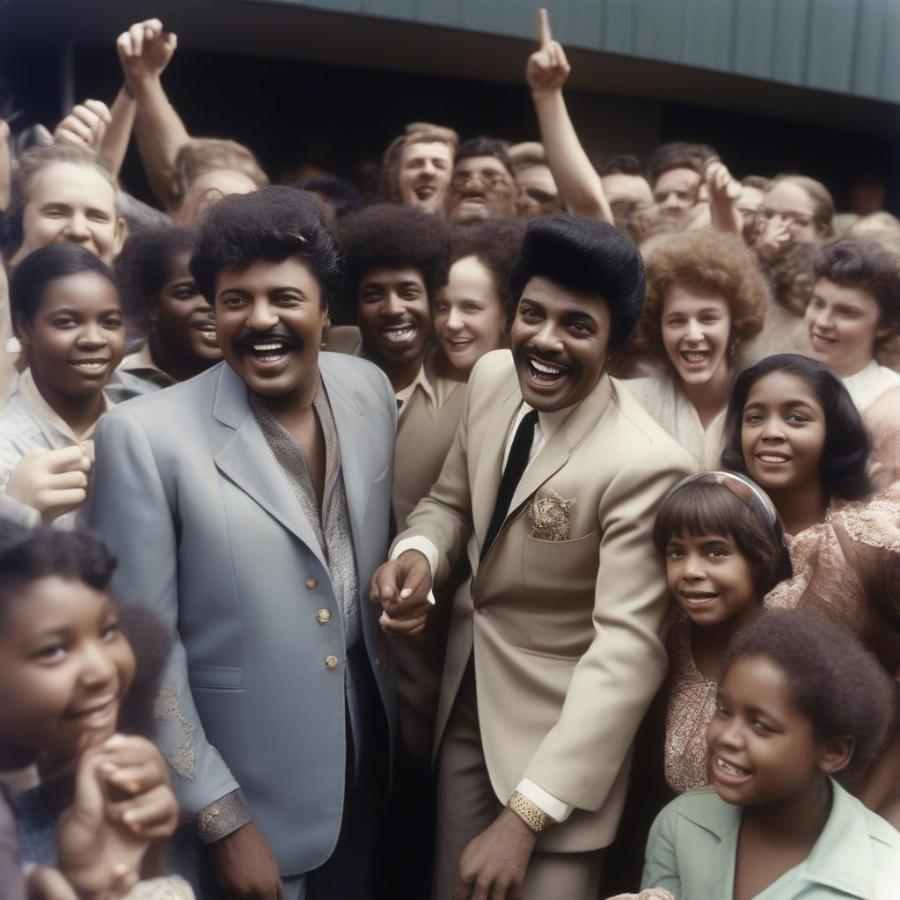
[[401, 586]]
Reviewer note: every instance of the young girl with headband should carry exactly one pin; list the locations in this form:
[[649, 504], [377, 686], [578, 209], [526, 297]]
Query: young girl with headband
[[724, 550]]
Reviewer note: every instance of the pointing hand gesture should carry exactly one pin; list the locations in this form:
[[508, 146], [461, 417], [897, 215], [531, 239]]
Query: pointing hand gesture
[[547, 69]]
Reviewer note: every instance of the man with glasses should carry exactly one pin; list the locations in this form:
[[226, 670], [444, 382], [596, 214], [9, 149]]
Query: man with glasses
[[483, 185]]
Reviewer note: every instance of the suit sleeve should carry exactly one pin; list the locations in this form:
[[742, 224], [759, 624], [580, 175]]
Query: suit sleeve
[[615, 679], [132, 511], [444, 515]]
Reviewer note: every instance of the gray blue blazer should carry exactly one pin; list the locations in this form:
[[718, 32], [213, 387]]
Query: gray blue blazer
[[209, 535]]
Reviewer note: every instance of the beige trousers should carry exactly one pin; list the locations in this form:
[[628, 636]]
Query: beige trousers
[[467, 804]]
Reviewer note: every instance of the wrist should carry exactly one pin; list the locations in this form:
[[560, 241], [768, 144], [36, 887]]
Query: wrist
[[140, 87], [529, 814], [546, 95]]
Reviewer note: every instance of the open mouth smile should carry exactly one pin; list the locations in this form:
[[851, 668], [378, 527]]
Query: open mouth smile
[[773, 458], [695, 599], [730, 772], [93, 366], [544, 373], [97, 715], [425, 191], [400, 335], [696, 357]]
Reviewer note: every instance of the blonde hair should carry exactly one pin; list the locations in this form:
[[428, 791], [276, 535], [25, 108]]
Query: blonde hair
[[414, 133]]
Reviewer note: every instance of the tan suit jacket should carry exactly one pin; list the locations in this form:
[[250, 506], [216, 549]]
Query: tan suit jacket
[[564, 613]]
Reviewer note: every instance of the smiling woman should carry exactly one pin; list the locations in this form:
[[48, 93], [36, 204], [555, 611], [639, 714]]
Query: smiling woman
[[68, 317]]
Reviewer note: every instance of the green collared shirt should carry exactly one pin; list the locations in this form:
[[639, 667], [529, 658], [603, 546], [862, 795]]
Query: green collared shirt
[[693, 844]]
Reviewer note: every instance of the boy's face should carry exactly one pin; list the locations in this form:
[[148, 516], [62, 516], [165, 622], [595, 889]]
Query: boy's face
[[65, 667]]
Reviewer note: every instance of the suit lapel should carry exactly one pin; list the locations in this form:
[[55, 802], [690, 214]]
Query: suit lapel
[[246, 460], [354, 467], [489, 466]]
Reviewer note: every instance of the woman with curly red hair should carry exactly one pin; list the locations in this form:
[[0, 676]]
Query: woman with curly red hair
[[705, 299]]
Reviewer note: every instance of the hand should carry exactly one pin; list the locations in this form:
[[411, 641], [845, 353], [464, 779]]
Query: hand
[[98, 857], [85, 126], [547, 69], [244, 866], [51, 481], [401, 586], [144, 52], [44, 883], [719, 183], [492, 867], [773, 237], [138, 777]]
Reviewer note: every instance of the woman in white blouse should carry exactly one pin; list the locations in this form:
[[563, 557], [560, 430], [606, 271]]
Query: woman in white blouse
[[705, 299]]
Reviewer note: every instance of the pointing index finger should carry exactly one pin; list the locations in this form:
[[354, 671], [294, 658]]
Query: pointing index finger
[[544, 34]]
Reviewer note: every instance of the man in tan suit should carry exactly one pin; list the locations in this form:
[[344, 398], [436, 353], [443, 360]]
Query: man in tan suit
[[551, 488]]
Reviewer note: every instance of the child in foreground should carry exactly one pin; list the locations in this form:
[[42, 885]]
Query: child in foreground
[[104, 805], [801, 706]]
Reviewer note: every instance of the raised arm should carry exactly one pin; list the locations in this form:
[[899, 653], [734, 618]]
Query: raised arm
[[579, 184], [144, 52]]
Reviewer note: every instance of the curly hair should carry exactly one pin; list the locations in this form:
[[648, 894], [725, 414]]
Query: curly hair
[[29, 165], [387, 234], [496, 244], [28, 554], [710, 262], [834, 681], [274, 224], [859, 262], [845, 456], [145, 265]]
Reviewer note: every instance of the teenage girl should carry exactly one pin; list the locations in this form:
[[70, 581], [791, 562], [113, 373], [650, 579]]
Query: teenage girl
[[801, 707]]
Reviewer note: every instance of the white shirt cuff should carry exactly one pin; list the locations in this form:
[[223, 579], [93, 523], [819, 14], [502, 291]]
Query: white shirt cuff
[[426, 548], [556, 809]]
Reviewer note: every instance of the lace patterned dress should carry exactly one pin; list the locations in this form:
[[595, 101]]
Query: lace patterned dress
[[848, 568]]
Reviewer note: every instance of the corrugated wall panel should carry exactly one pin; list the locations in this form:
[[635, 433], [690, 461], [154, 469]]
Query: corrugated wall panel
[[848, 46]]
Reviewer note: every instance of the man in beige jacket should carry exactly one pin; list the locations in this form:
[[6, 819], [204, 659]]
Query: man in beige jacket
[[551, 488]]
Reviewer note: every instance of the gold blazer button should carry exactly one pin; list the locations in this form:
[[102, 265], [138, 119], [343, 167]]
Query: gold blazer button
[[331, 662], [323, 616], [311, 584]]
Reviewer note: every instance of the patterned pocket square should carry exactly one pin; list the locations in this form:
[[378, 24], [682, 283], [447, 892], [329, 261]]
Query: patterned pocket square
[[549, 514]]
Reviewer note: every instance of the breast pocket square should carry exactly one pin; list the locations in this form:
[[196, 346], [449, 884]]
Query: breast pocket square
[[549, 515]]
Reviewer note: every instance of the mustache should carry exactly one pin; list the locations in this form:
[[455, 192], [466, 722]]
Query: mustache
[[246, 341]]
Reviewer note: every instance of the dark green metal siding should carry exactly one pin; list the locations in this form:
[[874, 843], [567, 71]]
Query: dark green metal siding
[[847, 46]]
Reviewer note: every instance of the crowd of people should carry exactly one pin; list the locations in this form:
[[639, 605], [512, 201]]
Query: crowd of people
[[533, 532]]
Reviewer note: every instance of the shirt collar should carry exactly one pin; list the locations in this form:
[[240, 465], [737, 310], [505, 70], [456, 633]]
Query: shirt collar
[[142, 361], [420, 381], [34, 401]]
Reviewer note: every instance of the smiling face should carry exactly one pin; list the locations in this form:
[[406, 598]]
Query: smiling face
[[676, 191], [783, 433], [481, 188], [65, 667], [269, 323], [182, 319], [710, 578], [843, 326], [393, 316], [72, 203], [762, 749], [424, 175], [696, 330], [77, 336], [559, 340], [469, 315]]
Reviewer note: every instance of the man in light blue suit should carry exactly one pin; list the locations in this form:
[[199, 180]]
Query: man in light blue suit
[[249, 507]]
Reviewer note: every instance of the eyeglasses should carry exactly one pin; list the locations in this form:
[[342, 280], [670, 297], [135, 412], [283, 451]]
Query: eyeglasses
[[491, 179]]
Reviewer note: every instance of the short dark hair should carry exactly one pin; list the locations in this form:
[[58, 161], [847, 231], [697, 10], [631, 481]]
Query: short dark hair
[[28, 554], [623, 164], [29, 165], [678, 155], [834, 680], [388, 234], [496, 244], [339, 192], [485, 146], [703, 505], [30, 278], [589, 256], [272, 224], [145, 265], [845, 455], [869, 266]]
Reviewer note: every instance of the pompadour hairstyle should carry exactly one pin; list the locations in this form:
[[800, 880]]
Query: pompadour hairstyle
[[272, 224], [834, 680], [845, 456], [588, 256], [388, 234]]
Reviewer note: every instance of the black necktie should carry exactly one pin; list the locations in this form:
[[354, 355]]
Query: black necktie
[[512, 474]]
